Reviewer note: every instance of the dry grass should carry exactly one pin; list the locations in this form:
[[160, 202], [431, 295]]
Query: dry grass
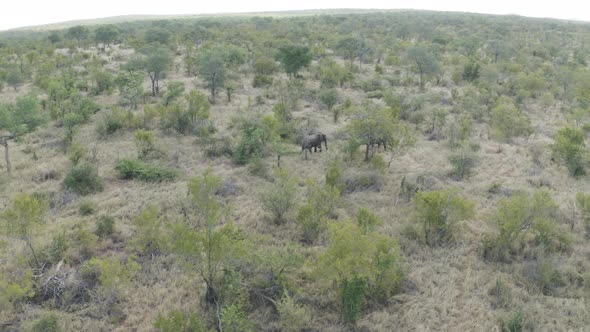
[[447, 288]]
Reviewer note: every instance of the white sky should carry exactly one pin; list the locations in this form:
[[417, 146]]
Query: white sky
[[18, 13]]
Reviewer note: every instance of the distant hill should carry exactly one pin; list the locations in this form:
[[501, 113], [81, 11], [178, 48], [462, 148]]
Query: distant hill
[[131, 18]]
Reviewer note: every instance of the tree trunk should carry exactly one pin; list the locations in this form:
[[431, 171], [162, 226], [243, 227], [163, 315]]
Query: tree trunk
[[33, 252], [7, 157], [367, 152]]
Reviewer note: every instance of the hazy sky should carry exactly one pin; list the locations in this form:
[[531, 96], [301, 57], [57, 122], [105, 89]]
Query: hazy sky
[[18, 13]]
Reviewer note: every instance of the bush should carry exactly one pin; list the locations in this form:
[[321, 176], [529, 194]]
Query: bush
[[508, 122], [234, 319], [583, 204], [257, 167], [87, 208], [279, 198], [334, 176], [77, 153], [48, 323], [463, 161], [130, 169], [363, 182], [319, 207], [293, 317], [105, 226], [361, 265], [513, 323], [145, 143], [148, 239], [525, 219], [218, 147], [569, 147], [83, 180], [367, 221], [179, 321], [439, 212]]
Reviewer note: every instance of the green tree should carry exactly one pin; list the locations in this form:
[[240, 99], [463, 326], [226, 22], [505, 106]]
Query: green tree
[[106, 34], [293, 58], [130, 86], [173, 91], [351, 48], [211, 66], [78, 33], [426, 63], [144, 142], [14, 78], [22, 217], [201, 241], [373, 127], [329, 97], [157, 60], [148, 238], [570, 148], [198, 109]]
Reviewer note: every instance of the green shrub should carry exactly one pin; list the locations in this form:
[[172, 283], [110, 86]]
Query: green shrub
[[83, 180], [583, 204], [279, 198], [513, 323], [261, 81], [363, 266], [48, 323], [56, 249], [148, 238], [130, 169], [439, 212], [367, 221], [525, 219], [501, 294], [179, 321], [105, 226], [569, 147], [353, 294], [293, 317], [334, 176], [77, 153], [234, 319], [314, 213], [144, 142], [463, 161], [87, 208], [508, 122], [257, 167]]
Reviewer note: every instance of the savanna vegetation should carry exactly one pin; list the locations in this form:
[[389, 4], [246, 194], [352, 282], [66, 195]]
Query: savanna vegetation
[[154, 178]]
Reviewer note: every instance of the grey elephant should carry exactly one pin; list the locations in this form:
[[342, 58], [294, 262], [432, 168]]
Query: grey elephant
[[314, 141]]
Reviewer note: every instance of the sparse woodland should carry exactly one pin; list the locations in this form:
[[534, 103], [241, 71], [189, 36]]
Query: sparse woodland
[[153, 177]]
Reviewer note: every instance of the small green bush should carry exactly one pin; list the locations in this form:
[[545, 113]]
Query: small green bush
[[105, 226], [509, 122], [130, 169], [569, 147], [279, 198], [525, 219], [179, 321], [334, 176], [87, 208], [368, 181], [513, 323], [583, 204], [144, 142], [83, 180], [463, 161], [49, 323], [293, 317], [439, 212], [77, 153]]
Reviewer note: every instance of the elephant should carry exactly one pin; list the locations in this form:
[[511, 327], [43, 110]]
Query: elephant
[[313, 141]]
